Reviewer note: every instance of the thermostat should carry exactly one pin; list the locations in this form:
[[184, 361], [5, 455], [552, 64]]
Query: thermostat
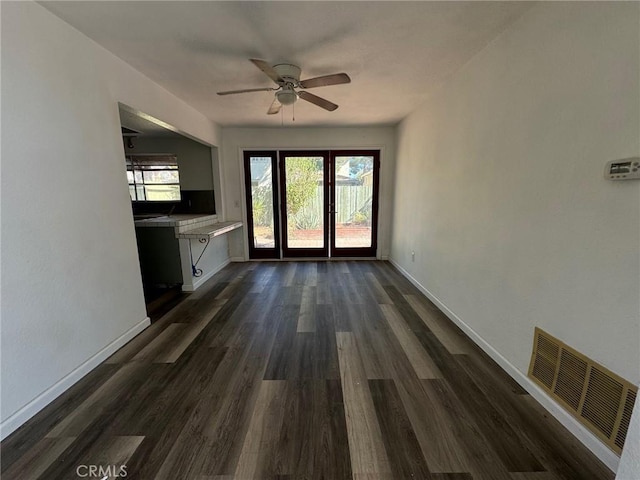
[[624, 169]]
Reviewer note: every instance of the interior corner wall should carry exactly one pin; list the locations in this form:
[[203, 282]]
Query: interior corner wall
[[500, 191], [234, 140], [71, 284]]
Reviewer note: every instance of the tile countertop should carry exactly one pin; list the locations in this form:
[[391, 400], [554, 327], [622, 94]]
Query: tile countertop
[[210, 230], [180, 220]]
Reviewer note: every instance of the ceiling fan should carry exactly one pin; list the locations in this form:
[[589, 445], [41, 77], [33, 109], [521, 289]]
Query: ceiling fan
[[290, 87]]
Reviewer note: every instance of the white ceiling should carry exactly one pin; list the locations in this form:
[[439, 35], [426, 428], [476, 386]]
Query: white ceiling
[[396, 53]]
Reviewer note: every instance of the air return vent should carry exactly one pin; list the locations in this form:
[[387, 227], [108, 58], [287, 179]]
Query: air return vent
[[597, 397]]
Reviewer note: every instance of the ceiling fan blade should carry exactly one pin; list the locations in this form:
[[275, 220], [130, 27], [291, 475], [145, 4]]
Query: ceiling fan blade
[[247, 90], [275, 107], [326, 80], [321, 102], [267, 69]]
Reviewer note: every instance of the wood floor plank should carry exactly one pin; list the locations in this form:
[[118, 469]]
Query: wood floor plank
[[166, 414], [323, 285], [22, 440], [289, 274], [179, 345], [307, 317], [368, 326], [481, 460], [441, 450], [114, 452], [376, 289], [334, 445], [230, 289], [509, 446], [316, 447], [267, 372], [533, 476], [74, 423], [184, 456], [280, 360], [208, 443], [225, 429], [419, 358], [134, 347], [311, 279], [35, 461], [342, 312], [374, 476], [325, 355], [366, 447], [264, 430], [545, 446], [453, 343], [393, 277], [401, 444], [164, 341], [189, 309], [451, 476]]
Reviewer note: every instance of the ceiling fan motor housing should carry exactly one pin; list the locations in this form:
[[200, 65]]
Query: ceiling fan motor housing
[[289, 73]]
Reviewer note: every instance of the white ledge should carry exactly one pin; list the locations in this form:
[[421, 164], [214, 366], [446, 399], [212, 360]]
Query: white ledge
[[209, 231]]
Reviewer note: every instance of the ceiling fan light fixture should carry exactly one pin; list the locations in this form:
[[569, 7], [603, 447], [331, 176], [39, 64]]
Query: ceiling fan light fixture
[[286, 96]]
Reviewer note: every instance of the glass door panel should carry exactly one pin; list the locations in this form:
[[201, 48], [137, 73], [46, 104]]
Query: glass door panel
[[304, 186], [261, 192], [354, 203]]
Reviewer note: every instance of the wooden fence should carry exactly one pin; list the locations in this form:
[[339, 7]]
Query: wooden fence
[[353, 205]]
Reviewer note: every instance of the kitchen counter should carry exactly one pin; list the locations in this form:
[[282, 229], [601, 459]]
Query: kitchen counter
[[171, 253]]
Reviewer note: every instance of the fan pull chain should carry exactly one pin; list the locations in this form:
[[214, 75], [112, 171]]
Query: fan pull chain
[[282, 117], [293, 112]]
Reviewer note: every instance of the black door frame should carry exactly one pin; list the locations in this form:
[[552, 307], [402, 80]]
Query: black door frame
[[262, 253], [278, 184], [287, 251], [355, 251]]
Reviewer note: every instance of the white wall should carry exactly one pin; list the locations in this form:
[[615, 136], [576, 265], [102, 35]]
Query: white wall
[[71, 285], [234, 140], [500, 191]]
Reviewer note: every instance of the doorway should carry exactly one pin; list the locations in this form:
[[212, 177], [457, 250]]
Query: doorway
[[326, 203]]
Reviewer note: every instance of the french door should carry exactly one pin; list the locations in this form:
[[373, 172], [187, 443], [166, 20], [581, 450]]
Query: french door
[[325, 201], [353, 203], [304, 204], [263, 225]]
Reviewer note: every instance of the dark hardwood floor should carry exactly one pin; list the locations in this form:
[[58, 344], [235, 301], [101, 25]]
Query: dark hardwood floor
[[308, 370]]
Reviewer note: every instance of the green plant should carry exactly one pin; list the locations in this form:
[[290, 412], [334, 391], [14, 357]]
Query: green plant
[[360, 218], [261, 204], [307, 219], [302, 180]]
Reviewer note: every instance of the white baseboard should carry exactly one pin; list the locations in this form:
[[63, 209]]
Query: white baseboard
[[589, 440], [237, 259], [49, 395], [204, 278]]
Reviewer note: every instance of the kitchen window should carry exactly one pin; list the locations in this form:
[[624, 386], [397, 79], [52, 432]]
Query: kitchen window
[[153, 178]]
